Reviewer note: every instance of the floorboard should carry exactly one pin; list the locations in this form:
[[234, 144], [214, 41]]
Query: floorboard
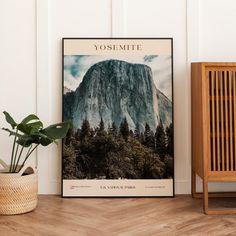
[[181, 215]]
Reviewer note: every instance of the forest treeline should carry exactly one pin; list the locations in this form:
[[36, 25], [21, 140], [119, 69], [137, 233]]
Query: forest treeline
[[118, 152]]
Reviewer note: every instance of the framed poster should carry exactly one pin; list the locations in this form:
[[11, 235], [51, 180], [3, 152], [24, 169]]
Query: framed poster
[[118, 93]]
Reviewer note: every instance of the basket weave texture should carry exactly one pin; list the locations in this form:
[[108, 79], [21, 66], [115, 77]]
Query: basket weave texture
[[18, 191]]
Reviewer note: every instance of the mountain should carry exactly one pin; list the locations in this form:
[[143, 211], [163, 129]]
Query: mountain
[[165, 108], [115, 89]]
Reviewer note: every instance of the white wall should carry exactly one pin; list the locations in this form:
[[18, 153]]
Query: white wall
[[30, 58], [213, 38], [17, 63], [217, 34]]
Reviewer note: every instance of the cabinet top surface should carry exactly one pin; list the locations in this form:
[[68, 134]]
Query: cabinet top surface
[[214, 63]]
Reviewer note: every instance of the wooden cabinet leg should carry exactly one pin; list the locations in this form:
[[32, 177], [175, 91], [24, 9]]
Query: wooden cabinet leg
[[193, 187], [205, 196]]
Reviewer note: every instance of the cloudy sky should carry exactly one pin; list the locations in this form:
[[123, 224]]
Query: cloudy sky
[[75, 68]]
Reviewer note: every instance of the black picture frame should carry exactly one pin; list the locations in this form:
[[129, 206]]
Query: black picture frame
[[172, 91]]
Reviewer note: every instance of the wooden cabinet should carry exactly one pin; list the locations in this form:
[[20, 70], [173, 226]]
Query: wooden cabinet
[[213, 92]]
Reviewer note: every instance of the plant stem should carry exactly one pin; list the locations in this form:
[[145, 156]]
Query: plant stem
[[18, 159], [27, 156], [12, 154], [29, 149], [14, 160]]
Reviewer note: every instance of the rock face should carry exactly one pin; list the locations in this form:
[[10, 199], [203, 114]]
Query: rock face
[[165, 108], [113, 90]]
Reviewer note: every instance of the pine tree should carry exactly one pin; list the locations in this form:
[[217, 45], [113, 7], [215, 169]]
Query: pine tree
[[85, 130], [124, 129], [160, 141], [147, 131], [142, 139], [137, 132], [69, 137], [109, 129], [170, 140], [101, 125], [92, 132], [149, 140], [114, 128], [77, 134], [131, 133]]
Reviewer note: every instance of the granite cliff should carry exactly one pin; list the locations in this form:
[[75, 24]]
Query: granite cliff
[[115, 89]]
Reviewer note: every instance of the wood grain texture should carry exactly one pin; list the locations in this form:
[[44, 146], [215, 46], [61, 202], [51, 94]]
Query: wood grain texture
[[196, 119], [182, 215], [231, 120]]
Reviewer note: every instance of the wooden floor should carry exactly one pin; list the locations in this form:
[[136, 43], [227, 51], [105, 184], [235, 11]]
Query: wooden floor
[[181, 215]]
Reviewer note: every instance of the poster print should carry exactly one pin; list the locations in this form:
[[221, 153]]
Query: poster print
[[118, 95]]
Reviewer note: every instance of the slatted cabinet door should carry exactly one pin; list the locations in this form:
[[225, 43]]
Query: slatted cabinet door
[[213, 124], [222, 103]]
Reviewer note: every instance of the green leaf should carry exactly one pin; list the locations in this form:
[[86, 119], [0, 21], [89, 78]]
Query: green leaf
[[33, 132], [10, 120], [57, 131], [25, 141], [30, 124], [30, 118], [44, 140], [30, 128]]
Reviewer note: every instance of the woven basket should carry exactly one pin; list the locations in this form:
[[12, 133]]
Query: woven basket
[[18, 191]]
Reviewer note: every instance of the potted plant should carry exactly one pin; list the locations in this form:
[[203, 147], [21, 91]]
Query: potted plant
[[18, 180]]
